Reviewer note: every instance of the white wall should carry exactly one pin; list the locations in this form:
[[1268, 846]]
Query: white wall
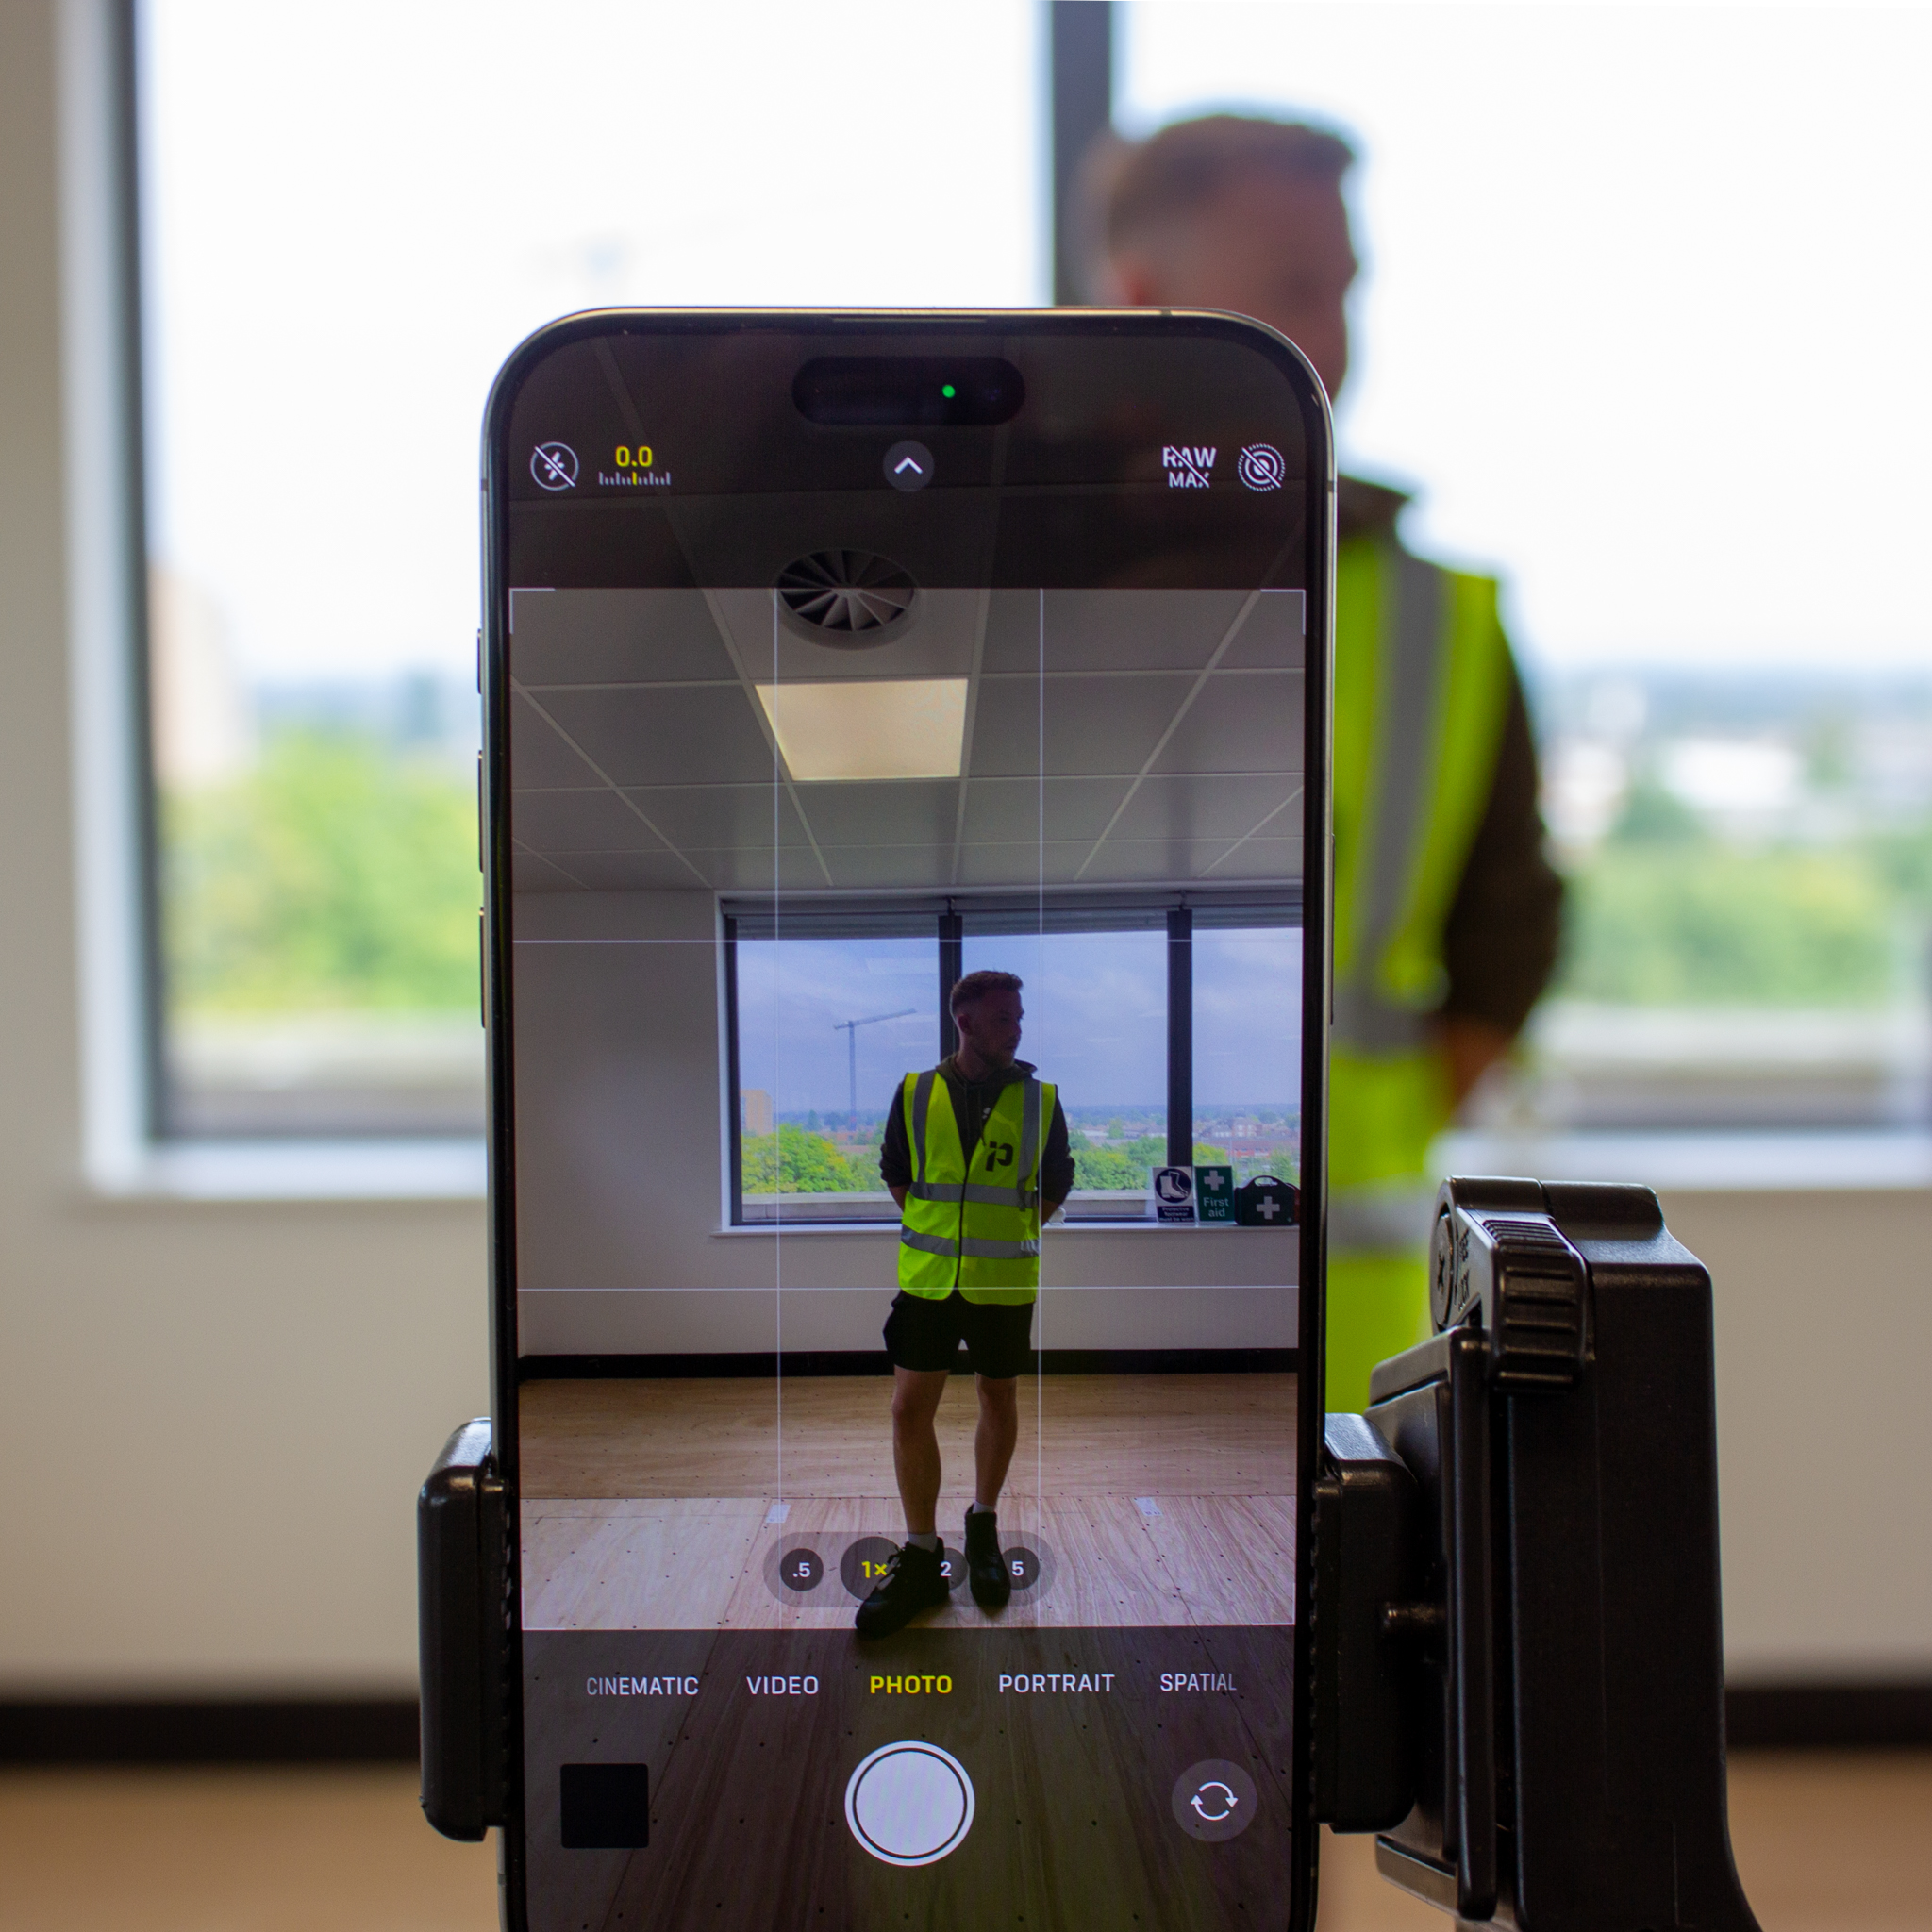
[[213, 1416], [1824, 1346]]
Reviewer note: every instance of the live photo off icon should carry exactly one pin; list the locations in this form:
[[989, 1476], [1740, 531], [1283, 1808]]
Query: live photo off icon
[[1173, 1193], [1214, 1195]]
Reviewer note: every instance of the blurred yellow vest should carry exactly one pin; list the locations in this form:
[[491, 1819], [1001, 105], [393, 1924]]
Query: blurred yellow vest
[[1422, 683]]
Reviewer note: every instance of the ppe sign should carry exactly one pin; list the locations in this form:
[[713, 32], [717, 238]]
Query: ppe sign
[[1173, 1193]]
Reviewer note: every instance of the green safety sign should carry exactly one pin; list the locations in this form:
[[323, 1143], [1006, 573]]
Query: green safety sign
[[1214, 1195]]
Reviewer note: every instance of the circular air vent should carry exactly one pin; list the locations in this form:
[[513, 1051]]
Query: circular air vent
[[849, 599]]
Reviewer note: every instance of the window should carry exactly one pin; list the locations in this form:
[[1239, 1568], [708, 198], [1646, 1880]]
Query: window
[[1097, 1026], [829, 1006], [1247, 1048], [1590, 367], [418, 189], [824, 1026]]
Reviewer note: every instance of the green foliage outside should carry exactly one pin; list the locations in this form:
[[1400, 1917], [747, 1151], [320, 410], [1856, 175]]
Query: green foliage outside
[[1663, 914], [794, 1160], [1126, 1166], [333, 878]]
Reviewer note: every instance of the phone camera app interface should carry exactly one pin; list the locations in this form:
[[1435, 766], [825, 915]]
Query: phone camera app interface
[[905, 933]]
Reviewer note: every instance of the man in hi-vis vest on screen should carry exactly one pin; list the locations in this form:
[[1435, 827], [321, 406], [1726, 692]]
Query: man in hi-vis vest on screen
[[1446, 909], [976, 1155]]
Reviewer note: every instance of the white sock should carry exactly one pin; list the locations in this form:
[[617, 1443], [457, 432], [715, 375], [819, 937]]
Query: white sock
[[923, 1538], [979, 1508]]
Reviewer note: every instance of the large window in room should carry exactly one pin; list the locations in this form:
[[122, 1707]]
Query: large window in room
[[1130, 1001], [350, 216], [1639, 324]]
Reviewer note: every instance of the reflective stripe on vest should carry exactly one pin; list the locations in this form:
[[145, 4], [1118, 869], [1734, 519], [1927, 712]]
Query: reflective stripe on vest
[[1421, 687], [978, 1234]]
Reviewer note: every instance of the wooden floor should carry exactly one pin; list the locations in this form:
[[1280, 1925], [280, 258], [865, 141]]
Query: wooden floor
[[664, 1505], [1102, 1435], [1825, 1844]]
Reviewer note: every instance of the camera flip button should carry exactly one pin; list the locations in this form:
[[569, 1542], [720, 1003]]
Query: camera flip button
[[1214, 1800]]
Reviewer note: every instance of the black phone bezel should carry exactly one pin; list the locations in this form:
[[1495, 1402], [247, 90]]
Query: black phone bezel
[[835, 326]]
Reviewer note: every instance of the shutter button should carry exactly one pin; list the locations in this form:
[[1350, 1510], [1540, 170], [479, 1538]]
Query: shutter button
[[910, 1804]]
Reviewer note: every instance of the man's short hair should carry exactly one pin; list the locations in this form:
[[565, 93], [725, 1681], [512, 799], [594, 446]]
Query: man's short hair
[[1132, 189], [976, 985]]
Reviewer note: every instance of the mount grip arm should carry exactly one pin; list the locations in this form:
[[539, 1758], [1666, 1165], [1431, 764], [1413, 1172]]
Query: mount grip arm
[[463, 1636]]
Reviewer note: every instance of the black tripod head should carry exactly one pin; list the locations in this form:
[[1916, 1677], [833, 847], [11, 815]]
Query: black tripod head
[[1519, 1639]]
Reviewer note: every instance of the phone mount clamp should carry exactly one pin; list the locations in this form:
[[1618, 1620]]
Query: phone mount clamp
[[1518, 1671], [463, 1636], [1519, 1680]]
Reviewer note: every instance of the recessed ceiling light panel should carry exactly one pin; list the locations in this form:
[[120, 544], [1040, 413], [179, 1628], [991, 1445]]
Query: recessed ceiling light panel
[[878, 728]]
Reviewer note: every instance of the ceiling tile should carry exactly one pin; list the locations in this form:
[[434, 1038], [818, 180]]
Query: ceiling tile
[[614, 637], [579, 821], [902, 813], [1247, 722], [668, 736], [1022, 864], [1181, 861], [719, 817], [528, 873], [1091, 725], [1108, 630], [1192, 806], [1020, 809], [872, 866], [1271, 636], [627, 871], [741, 870], [1259, 858], [539, 759]]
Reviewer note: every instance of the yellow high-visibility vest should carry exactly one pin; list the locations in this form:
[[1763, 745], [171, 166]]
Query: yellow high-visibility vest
[[974, 1229], [1421, 682]]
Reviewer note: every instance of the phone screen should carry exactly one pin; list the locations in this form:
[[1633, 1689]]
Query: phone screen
[[907, 783]]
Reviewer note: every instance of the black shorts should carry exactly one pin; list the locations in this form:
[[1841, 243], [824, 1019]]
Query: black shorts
[[926, 1335]]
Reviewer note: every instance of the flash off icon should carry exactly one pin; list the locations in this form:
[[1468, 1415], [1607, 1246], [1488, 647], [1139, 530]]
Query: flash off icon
[[1261, 467]]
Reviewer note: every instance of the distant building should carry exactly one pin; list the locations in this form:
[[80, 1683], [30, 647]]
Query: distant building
[[204, 733], [757, 1111]]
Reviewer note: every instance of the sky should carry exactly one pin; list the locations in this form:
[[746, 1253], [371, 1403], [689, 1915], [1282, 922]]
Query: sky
[[1096, 1016], [1641, 321], [354, 213]]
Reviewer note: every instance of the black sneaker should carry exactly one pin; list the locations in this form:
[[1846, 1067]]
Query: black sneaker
[[914, 1582], [986, 1569]]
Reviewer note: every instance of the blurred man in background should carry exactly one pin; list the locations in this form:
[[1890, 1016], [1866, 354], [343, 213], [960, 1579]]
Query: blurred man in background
[[1446, 908]]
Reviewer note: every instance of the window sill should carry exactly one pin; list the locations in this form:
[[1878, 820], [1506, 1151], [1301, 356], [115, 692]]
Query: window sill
[[291, 1170], [1728, 1162]]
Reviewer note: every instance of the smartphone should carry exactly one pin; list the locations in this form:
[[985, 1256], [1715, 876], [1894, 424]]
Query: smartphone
[[906, 789]]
